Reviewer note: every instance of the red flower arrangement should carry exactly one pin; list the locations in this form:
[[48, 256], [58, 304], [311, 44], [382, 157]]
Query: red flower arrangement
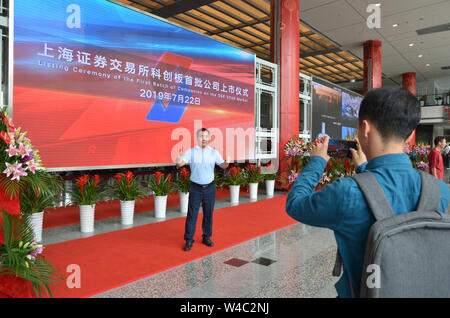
[[235, 176], [87, 191], [253, 173], [126, 187], [271, 173], [160, 184], [336, 168], [184, 180]]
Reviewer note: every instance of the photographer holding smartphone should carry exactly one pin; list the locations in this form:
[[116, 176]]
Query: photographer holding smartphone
[[387, 119]]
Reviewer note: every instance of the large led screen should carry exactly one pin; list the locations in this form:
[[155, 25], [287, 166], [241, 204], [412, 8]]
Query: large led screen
[[99, 84], [335, 111]]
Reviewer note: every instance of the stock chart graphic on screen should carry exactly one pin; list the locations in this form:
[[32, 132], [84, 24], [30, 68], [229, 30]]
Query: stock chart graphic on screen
[[98, 84]]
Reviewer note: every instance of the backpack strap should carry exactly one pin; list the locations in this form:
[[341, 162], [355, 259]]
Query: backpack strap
[[378, 204], [374, 195], [430, 195]]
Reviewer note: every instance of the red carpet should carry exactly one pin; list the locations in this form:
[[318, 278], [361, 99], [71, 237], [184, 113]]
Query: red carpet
[[113, 259], [71, 214]]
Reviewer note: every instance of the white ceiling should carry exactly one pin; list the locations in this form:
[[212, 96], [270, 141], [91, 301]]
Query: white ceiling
[[344, 22]]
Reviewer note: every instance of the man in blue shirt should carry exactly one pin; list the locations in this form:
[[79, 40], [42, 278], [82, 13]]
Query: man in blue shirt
[[202, 160], [387, 119]]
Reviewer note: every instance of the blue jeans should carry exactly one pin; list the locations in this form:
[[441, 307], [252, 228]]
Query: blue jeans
[[205, 196]]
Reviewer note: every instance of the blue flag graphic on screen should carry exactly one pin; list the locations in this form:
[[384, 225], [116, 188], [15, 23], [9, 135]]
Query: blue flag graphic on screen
[[174, 110]]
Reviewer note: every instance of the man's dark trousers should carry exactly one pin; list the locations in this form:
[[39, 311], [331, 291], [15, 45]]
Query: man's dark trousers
[[205, 196]]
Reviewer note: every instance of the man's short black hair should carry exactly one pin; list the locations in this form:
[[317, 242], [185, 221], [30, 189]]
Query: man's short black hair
[[202, 130], [395, 112], [438, 139]]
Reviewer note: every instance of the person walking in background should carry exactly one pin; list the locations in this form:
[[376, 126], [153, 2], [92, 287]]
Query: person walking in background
[[202, 159], [446, 156], [435, 159]]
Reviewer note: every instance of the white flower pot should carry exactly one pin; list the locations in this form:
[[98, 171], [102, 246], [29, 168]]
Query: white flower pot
[[127, 212], [270, 186], [184, 201], [87, 218], [160, 206], [253, 191], [234, 193], [36, 221]]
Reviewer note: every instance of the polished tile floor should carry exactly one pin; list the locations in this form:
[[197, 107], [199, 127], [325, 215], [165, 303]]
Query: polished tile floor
[[292, 262], [296, 261]]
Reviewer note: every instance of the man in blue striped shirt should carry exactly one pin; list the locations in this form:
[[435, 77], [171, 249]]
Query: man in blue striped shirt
[[387, 119]]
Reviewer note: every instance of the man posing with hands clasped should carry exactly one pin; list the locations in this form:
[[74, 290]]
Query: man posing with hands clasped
[[387, 118], [202, 160]]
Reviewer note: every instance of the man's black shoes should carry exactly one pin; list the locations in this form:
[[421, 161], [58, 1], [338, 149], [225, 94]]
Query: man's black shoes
[[208, 242], [188, 246]]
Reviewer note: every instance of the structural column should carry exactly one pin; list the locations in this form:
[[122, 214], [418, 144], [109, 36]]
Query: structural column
[[372, 65], [409, 83], [285, 52]]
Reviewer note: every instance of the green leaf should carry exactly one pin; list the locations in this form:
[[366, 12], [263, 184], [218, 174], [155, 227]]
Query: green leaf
[[39, 272]]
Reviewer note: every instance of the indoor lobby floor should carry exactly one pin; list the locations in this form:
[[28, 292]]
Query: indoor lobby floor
[[295, 261], [292, 262]]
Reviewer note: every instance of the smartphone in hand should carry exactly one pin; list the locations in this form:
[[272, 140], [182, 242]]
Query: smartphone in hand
[[340, 148]]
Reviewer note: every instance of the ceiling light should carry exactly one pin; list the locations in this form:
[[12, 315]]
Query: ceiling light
[[395, 25], [411, 44], [434, 29], [428, 64], [377, 4], [420, 55], [352, 80]]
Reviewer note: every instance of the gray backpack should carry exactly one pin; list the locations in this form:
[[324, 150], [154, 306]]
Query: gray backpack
[[407, 255]]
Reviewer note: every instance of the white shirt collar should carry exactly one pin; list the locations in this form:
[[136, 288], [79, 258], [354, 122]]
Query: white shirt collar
[[198, 147]]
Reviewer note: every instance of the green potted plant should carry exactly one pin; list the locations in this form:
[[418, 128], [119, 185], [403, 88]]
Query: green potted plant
[[253, 178], [184, 180], [86, 195], [439, 100], [270, 176], [219, 178], [21, 261], [127, 190], [34, 202], [21, 266], [161, 186], [234, 179]]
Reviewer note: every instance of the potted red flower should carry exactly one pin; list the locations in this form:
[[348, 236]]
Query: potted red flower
[[86, 195], [161, 186], [184, 179], [234, 179], [253, 176], [127, 190], [270, 178]]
